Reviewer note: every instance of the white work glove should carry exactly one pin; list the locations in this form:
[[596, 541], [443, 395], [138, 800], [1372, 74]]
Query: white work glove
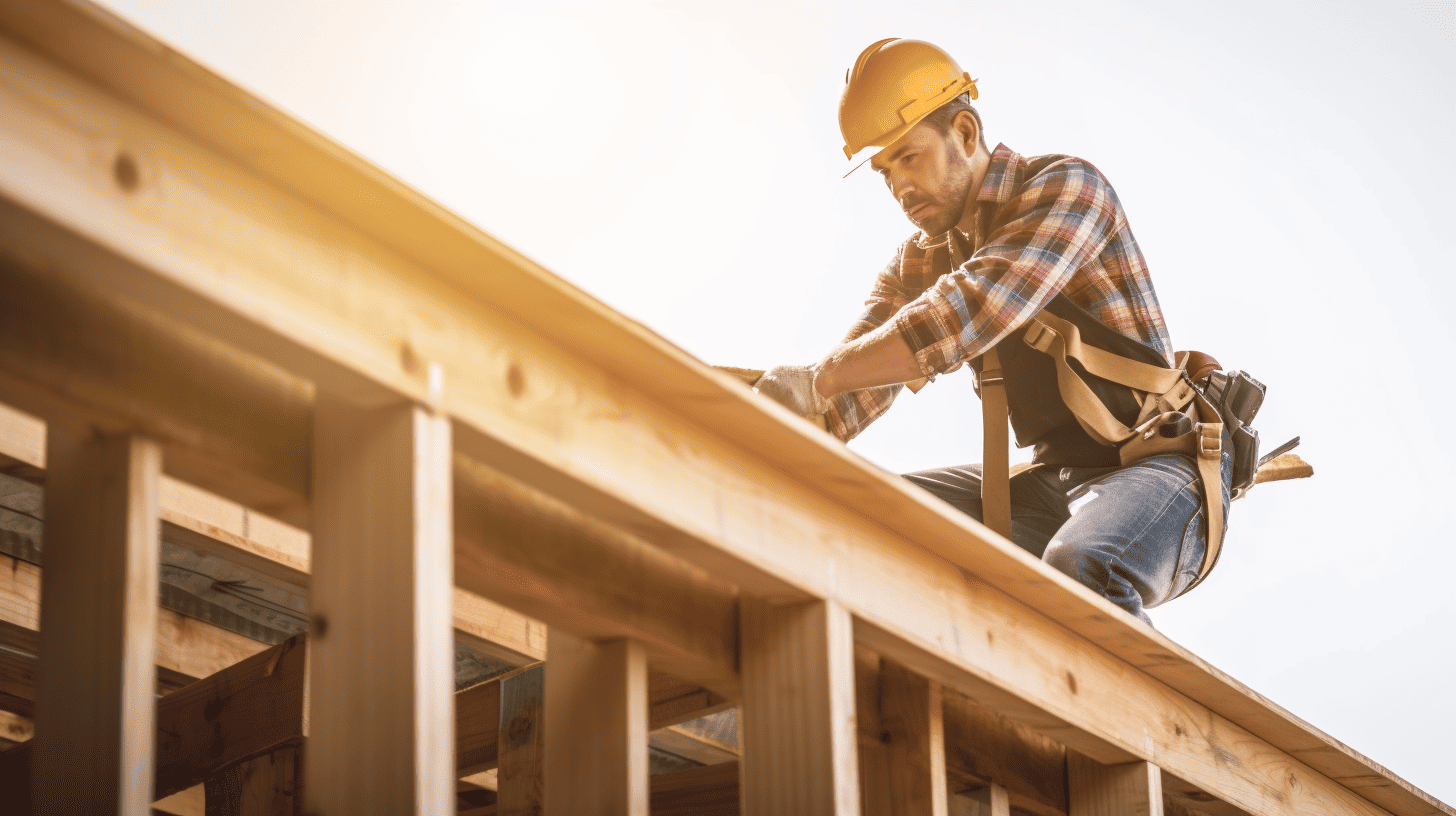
[[793, 388]]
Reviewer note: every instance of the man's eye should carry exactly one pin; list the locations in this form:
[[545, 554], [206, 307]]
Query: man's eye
[[908, 157]]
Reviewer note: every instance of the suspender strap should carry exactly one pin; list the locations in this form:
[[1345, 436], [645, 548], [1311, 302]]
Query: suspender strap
[[995, 462]]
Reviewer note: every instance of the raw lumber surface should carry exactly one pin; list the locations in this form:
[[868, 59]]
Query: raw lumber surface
[[628, 357]]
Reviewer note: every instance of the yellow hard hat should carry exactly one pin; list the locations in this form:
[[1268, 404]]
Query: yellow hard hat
[[893, 85]]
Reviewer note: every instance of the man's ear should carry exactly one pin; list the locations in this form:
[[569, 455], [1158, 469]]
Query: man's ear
[[967, 131]]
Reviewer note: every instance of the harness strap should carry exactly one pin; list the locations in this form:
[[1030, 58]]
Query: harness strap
[[995, 464], [1166, 388]]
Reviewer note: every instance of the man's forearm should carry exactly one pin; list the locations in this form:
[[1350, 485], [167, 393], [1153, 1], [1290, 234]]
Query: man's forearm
[[878, 358]]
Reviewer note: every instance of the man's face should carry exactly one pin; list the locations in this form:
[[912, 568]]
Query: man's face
[[930, 175]]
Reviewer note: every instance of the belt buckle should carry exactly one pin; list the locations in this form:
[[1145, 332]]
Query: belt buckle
[[1039, 336], [1210, 439]]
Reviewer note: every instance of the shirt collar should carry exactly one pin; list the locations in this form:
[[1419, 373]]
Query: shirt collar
[[1001, 175]]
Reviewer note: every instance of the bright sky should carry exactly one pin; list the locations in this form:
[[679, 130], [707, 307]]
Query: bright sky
[[1285, 167]]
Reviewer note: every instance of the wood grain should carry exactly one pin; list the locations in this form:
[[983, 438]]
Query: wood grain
[[604, 414], [381, 677], [520, 783], [1127, 789], [96, 682], [798, 709], [596, 727]]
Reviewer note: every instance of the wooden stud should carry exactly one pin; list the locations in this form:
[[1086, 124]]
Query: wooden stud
[[96, 689], [381, 719], [596, 727], [269, 785], [1100, 681], [798, 709], [1126, 789], [914, 734], [519, 780], [992, 800], [874, 765]]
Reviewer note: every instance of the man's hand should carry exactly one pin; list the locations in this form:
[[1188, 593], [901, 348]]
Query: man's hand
[[793, 388]]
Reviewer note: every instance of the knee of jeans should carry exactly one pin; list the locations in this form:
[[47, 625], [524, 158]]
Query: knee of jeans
[[1072, 559]]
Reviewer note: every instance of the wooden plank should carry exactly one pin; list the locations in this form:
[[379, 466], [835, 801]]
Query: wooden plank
[[983, 746], [706, 791], [911, 716], [241, 712], [210, 523], [991, 800], [381, 679], [1181, 798], [798, 709], [269, 785], [96, 685], [224, 419], [596, 727], [522, 548], [520, 780], [694, 746], [873, 743], [187, 649], [692, 515], [1128, 789]]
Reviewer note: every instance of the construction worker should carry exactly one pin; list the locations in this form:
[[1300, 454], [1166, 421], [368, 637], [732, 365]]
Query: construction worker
[[1015, 259]]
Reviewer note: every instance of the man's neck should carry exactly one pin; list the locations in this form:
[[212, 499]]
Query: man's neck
[[980, 165]]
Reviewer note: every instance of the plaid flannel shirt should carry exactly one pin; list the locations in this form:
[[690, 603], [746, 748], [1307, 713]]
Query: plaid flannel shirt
[[1047, 224]]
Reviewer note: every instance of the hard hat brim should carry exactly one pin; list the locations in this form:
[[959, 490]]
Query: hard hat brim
[[885, 140]]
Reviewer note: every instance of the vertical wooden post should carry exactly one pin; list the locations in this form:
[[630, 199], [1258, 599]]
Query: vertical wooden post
[[1129, 789], [798, 709], [596, 727], [95, 707], [994, 800], [519, 745], [874, 765], [381, 679], [910, 715], [269, 785]]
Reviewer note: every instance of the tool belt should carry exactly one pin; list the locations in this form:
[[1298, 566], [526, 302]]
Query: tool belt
[[1191, 409], [1083, 394]]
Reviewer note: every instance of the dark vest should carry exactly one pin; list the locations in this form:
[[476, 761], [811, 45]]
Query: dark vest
[[1038, 416]]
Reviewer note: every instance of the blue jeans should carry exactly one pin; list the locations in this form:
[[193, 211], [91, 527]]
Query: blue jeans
[[1135, 535]]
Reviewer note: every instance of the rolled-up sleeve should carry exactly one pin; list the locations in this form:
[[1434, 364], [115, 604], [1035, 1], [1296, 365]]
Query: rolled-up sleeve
[[1060, 220]]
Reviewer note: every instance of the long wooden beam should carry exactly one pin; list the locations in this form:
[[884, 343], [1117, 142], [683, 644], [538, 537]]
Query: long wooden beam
[[600, 414]]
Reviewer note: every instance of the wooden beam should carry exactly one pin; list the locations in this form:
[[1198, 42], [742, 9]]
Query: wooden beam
[[1128, 789], [244, 711], [991, 800], [911, 716], [597, 411], [269, 785], [798, 707], [596, 727], [209, 523], [692, 745], [708, 791], [983, 746], [538, 555], [225, 420], [381, 677], [187, 649], [96, 685], [520, 780]]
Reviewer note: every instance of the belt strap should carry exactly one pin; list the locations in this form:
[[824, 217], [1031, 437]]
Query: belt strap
[[996, 453]]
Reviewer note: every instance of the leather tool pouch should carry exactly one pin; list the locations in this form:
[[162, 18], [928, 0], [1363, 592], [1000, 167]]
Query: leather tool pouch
[[1238, 397]]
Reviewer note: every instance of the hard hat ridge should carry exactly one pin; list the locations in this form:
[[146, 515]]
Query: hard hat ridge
[[894, 84]]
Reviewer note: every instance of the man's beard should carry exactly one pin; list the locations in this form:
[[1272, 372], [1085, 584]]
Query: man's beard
[[950, 201]]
